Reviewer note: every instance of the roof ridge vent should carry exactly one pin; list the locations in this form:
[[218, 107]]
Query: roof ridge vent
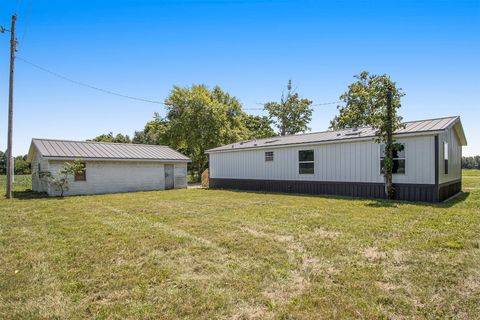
[[271, 141], [245, 141], [353, 132]]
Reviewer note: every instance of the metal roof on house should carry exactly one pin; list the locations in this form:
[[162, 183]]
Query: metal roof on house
[[64, 149], [410, 128]]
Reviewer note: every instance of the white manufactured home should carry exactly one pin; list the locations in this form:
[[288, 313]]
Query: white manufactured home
[[109, 167], [347, 162]]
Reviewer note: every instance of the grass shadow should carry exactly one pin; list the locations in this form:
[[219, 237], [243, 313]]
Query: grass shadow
[[31, 195], [309, 195], [383, 203], [462, 196], [372, 202]]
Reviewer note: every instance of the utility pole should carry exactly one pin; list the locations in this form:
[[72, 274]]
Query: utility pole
[[13, 48]]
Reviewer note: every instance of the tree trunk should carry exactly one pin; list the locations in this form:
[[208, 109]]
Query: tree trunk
[[200, 169], [388, 174], [283, 119], [388, 160]]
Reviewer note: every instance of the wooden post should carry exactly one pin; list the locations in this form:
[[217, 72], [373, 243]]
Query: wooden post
[[13, 45], [205, 179]]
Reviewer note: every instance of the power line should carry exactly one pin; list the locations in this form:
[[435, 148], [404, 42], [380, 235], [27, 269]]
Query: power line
[[313, 105], [27, 21], [18, 6], [86, 85], [326, 103]]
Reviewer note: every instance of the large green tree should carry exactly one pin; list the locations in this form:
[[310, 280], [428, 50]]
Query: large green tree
[[364, 102], [197, 119], [259, 127], [292, 114], [109, 137], [155, 132], [373, 100], [200, 119]]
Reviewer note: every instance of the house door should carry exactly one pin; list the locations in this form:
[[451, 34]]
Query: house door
[[169, 176]]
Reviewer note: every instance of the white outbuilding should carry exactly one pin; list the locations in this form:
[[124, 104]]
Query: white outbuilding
[[347, 162], [109, 167]]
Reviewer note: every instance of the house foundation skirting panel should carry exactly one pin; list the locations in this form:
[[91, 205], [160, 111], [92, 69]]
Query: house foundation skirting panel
[[449, 189], [408, 192]]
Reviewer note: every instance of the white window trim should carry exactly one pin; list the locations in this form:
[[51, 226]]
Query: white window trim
[[380, 159], [446, 160], [265, 156], [298, 155]]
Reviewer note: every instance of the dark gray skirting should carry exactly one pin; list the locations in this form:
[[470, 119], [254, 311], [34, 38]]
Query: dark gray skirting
[[408, 192], [449, 189]]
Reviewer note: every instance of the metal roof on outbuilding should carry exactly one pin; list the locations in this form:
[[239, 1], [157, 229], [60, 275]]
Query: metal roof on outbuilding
[[410, 128], [64, 149]]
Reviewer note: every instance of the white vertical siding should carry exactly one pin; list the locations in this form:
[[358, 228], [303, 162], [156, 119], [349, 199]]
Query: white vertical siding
[[454, 157], [346, 162]]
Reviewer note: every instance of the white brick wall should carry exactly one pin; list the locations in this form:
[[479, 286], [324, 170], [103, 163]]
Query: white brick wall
[[118, 176], [39, 164]]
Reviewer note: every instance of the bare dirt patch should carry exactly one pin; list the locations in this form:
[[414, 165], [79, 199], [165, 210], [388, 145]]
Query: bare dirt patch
[[387, 286], [327, 233], [374, 254], [246, 311]]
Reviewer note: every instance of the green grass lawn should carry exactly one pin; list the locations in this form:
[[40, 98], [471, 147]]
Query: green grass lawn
[[204, 254], [471, 173]]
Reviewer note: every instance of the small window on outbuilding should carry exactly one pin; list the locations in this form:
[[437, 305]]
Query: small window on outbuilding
[[398, 159], [269, 156], [306, 162], [445, 156], [81, 176]]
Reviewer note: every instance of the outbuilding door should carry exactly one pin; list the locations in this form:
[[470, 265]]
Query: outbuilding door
[[169, 184]]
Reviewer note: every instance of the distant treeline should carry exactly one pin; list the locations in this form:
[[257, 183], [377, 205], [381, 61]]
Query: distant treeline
[[20, 164], [471, 162]]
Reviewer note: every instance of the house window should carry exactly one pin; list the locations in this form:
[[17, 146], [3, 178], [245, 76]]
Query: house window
[[445, 156], [398, 159], [269, 156], [306, 163], [81, 176]]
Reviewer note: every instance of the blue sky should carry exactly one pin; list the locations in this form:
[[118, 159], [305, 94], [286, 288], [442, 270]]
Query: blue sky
[[250, 48]]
